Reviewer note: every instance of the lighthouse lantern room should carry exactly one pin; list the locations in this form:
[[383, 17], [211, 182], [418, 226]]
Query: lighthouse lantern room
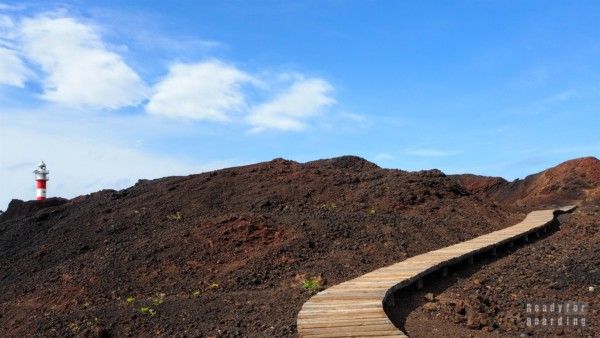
[[41, 176]]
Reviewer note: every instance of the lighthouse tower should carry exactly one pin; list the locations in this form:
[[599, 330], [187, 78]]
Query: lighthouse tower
[[41, 176]]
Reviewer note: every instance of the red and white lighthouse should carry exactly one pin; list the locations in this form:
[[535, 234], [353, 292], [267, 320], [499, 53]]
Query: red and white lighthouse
[[41, 176]]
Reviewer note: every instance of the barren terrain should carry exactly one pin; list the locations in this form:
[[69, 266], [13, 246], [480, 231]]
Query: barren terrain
[[228, 253], [221, 253]]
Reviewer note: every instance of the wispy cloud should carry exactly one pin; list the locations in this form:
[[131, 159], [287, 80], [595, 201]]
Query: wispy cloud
[[13, 71], [383, 157], [151, 38], [560, 97], [544, 104], [290, 110], [428, 152], [7, 27], [341, 121], [580, 150], [180, 45], [7, 7]]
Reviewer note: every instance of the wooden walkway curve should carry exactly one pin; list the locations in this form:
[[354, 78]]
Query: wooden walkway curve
[[355, 308]]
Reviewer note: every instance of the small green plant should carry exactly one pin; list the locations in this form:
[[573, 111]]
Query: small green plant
[[328, 206], [312, 284], [130, 299], [148, 311], [74, 327], [159, 299], [177, 216], [214, 286], [196, 294]]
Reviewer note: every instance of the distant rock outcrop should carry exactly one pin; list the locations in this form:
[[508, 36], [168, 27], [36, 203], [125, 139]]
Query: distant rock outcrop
[[19, 208], [572, 181]]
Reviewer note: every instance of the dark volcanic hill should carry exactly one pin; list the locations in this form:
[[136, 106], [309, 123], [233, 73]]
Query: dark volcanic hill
[[223, 253], [570, 182]]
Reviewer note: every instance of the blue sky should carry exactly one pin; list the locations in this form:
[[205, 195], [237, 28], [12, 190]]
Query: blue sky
[[107, 92]]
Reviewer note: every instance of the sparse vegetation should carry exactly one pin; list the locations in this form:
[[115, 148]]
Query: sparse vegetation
[[130, 299], [148, 311], [196, 294], [328, 206], [313, 284], [372, 211], [176, 216], [214, 285], [74, 327], [159, 299]]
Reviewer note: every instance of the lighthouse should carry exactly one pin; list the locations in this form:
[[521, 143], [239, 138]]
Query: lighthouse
[[41, 176]]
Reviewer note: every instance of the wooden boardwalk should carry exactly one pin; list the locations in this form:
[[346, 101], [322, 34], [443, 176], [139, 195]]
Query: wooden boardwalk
[[355, 308]]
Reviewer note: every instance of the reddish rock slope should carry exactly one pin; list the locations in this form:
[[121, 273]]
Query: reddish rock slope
[[573, 181]]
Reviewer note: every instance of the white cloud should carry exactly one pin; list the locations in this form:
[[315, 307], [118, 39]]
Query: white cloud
[[290, 110], [202, 91], [80, 69], [431, 152], [76, 68], [12, 70]]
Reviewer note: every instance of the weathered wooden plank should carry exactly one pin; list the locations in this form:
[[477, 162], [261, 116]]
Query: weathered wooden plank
[[352, 334], [372, 330]]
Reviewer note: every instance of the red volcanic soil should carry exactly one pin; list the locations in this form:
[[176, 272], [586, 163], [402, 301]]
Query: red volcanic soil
[[222, 253], [481, 185], [570, 182], [226, 253]]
